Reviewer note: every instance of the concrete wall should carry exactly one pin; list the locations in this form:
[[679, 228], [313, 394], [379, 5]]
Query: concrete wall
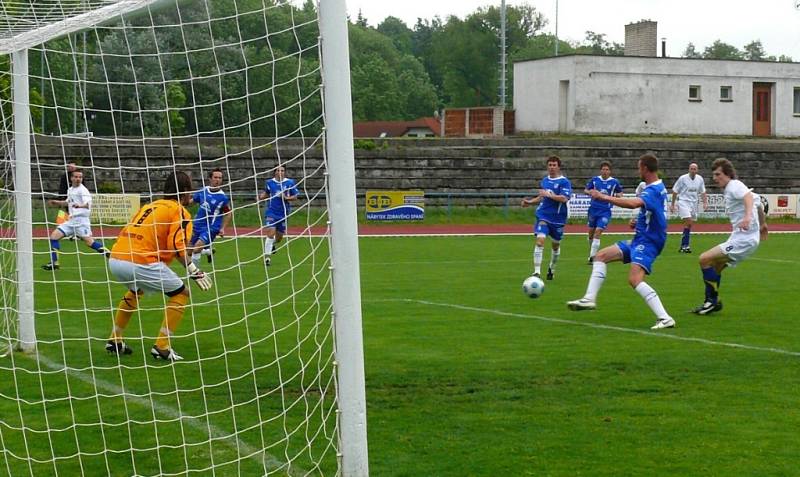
[[434, 165], [651, 95]]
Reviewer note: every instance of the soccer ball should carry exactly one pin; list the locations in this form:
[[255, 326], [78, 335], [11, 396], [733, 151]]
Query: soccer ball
[[533, 287]]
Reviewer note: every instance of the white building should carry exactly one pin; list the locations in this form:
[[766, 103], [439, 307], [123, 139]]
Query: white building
[[643, 95]]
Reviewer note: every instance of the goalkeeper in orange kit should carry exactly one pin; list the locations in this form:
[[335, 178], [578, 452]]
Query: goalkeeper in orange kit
[[152, 239]]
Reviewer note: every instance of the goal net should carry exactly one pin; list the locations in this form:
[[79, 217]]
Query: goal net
[[128, 93]]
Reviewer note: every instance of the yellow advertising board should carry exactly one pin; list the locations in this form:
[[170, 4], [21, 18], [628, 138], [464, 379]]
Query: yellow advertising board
[[395, 205], [114, 208]]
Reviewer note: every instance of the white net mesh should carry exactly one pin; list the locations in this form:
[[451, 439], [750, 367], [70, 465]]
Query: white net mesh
[[190, 86]]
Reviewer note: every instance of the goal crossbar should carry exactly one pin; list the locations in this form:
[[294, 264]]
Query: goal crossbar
[[31, 37]]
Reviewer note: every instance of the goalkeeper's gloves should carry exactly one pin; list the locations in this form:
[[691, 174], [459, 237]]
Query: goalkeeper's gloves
[[202, 279]]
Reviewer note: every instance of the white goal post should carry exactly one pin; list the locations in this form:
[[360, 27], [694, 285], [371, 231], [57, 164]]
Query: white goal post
[[127, 92]]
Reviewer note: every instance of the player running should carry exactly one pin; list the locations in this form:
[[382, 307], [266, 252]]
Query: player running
[[79, 202], [600, 211], [140, 259], [551, 215], [280, 192], [688, 190], [749, 228], [212, 216], [641, 252]]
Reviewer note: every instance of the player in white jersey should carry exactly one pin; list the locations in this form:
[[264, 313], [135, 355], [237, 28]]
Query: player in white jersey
[[79, 202], [749, 228], [686, 195]]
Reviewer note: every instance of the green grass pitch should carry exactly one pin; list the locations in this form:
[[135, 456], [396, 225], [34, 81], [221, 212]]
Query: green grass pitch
[[465, 375]]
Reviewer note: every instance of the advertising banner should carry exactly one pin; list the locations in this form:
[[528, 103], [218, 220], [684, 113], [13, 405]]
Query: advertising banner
[[782, 204], [114, 208], [578, 207], [395, 205]]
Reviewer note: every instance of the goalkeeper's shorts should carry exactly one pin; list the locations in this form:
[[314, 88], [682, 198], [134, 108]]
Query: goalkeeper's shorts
[[155, 277]]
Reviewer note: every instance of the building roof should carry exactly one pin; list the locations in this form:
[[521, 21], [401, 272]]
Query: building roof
[[571, 55], [394, 128]]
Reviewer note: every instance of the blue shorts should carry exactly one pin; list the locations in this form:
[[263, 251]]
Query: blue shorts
[[277, 223], [639, 252], [206, 236], [555, 232], [599, 220]]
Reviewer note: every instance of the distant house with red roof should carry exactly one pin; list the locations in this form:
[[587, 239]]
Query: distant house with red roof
[[422, 127]]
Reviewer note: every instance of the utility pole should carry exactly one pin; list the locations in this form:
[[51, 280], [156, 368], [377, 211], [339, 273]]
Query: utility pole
[[556, 27], [503, 54]]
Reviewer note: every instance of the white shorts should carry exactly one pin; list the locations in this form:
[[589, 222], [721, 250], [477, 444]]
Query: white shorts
[[156, 277], [687, 209], [78, 229], [739, 247]]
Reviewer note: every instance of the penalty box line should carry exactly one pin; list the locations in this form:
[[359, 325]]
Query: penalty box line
[[269, 461], [598, 326]]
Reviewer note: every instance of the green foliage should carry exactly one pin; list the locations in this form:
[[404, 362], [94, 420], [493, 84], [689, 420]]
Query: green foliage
[[722, 51], [386, 84], [364, 144], [109, 188]]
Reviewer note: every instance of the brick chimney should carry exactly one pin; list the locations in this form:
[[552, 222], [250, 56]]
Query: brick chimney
[[641, 38]]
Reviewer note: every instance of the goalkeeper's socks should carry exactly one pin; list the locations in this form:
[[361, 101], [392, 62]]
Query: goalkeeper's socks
[[55, 246]]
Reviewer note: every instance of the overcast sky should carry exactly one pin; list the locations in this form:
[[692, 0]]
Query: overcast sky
[[775, 22]]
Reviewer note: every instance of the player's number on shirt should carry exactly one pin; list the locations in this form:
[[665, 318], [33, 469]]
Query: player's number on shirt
[[144, 216]]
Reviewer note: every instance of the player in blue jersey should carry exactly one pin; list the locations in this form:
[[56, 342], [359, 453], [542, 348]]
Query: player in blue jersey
[[212, 217], [551, 215], [599, 210], [280, 192], [641, 252]]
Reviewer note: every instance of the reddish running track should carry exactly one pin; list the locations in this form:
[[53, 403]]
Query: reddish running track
[[109, 231]]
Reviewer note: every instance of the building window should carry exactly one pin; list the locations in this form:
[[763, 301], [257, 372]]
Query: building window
[[796, 108], [694, 92], [726, 93]]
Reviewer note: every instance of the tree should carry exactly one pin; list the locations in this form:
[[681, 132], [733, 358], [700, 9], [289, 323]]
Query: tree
[[399, 32], [386, 84], [785, 59], [596, 44], [722, 51], [691, 52], [754, 51]]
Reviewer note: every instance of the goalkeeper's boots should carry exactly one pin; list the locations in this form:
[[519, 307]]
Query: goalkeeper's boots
[[550, 274], [118, 347], [165, 354], [707, 308], [50, 266], [581, 304]]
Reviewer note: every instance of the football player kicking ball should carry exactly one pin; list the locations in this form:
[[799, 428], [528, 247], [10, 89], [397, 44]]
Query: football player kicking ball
[[749, 228], [551, 215], [641, 252], [79, 202], [140, 258]]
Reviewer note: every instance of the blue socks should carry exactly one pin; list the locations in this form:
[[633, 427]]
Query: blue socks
[[55, 246], [711, 279], [685, 238], [97, 246]]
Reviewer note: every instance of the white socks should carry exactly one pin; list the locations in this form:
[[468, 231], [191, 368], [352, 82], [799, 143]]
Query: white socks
[[595, 248], [554, 258], [653, 301], [268, 243], [537, 259], [196, 259], [596, 280]]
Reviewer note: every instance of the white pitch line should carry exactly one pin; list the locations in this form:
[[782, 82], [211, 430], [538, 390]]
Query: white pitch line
[[659, 334], [215, 432]]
